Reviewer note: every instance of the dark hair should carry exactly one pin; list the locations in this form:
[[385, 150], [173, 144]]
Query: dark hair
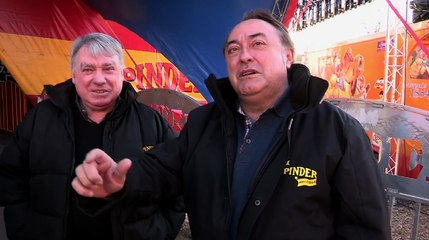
[[264, 15]]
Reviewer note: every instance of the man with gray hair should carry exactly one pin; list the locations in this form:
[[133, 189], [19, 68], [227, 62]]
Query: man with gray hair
[[96, 108]]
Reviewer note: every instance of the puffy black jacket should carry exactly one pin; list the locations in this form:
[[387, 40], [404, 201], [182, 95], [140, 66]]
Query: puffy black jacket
[[319, 180], [36, 169]]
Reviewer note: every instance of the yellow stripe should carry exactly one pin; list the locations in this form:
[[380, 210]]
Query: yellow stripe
[[36, 61]]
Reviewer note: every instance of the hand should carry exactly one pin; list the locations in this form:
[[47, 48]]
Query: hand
[[99, 176]]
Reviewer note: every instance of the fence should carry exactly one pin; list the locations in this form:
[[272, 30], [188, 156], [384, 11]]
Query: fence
[[13, 105]]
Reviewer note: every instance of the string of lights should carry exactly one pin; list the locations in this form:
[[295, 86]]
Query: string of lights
[[310, 12]]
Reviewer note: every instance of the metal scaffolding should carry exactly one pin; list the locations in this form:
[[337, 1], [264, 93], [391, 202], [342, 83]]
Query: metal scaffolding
[[395, 71], [280, 8]]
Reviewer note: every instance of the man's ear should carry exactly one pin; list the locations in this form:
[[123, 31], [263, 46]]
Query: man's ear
[[289, 53]]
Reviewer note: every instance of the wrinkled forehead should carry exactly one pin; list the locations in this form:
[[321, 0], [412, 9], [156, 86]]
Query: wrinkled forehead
[[251, 27]]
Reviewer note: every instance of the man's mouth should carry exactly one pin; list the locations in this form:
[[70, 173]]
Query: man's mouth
[[247, 73], [100, 91]]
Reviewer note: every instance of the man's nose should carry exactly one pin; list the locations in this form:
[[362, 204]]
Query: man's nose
[[99, 77], [245, 55]]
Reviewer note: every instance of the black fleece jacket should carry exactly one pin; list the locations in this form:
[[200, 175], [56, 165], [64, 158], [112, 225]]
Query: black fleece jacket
[[37, 166]]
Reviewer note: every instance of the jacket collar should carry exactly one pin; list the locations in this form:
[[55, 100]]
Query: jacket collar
[[306, 91], [64, 94]]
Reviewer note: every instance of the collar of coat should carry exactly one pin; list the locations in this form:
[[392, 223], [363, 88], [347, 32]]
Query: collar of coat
[[64, 94]]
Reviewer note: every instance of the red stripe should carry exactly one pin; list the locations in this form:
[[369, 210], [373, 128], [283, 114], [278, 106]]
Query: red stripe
[[128, 38], [49, 18], [62, 19], [290, 12]]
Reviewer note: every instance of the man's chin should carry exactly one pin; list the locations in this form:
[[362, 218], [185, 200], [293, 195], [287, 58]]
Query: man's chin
[[102, 105]]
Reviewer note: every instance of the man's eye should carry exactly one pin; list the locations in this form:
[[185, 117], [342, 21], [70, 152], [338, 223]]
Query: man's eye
[[109, 69], [232, 50], [258, 43]]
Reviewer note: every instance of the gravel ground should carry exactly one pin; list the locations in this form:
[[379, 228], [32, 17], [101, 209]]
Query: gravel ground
[[402, 221]]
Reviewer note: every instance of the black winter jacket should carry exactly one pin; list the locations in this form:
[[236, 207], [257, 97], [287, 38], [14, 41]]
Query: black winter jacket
[[36, 169], [319, 180]]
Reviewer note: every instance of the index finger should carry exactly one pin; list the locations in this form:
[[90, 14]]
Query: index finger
[[96, 163]]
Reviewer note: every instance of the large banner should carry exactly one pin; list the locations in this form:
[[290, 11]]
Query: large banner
[[356, 68]]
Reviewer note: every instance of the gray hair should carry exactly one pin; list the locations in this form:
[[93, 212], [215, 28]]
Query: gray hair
[[97, 43]]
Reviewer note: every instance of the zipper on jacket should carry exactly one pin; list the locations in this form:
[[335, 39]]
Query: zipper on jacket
[[69, 178], [108, 130], [289, 134], [227, 199]]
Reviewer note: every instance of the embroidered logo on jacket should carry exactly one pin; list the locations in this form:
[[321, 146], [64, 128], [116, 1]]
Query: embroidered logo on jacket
[[147, 148], [303, 175]]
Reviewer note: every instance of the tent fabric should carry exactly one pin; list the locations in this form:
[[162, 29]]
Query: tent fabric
[[35, 39], [169, 44], [190, 33]]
